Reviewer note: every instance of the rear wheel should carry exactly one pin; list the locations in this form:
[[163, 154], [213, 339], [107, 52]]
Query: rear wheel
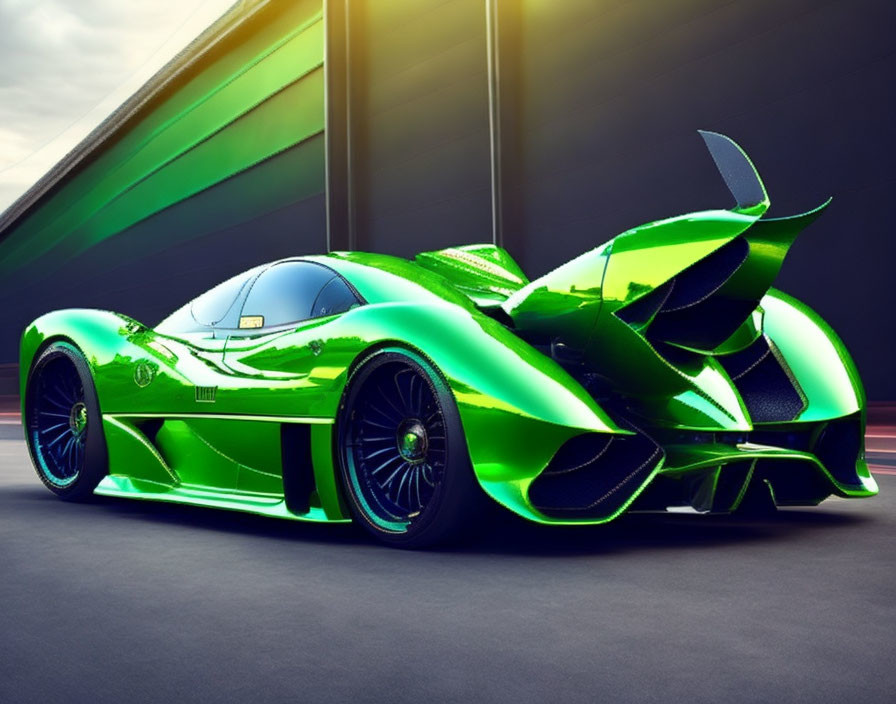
[[402, 453], [63, 423]]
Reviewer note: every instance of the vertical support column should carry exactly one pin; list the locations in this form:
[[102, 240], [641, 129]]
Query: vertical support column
[[337, 105], [494, 117], [503, 31]]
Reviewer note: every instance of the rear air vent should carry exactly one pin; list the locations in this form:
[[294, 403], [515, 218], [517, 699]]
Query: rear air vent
[[699, 281], [694, 309], [839, 446], [765, 387], [642, 310], [578, 452], [593, 475], [696, 314]]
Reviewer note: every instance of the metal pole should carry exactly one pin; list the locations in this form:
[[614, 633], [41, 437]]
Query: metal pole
[[494, 118], [337, 116]]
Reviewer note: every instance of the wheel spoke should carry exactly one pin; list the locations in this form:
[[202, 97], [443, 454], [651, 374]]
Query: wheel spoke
[[404, 478], [378, 425], [67, 453], [60, 397], [59, 437], [413, 475], [391, 478], [385, 464], [69, 388], [384, 394], [56, 403], [385, 415], [398, 389], [412, 407], [378, 452], [420, 392]]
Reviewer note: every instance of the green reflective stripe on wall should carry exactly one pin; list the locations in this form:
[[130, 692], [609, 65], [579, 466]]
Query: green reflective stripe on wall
[[287, 119], [250, 103]]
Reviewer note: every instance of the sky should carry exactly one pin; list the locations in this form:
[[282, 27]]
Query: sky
[[65, 65]]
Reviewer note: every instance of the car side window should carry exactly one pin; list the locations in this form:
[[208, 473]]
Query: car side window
[[212, 306], [289, 292], [217, 307], [335, 297]]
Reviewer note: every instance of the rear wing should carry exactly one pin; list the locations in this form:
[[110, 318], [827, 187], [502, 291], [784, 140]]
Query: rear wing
[[689, 281], [738, 172]]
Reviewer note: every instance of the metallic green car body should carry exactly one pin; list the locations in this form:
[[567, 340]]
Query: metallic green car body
[[590, 349]]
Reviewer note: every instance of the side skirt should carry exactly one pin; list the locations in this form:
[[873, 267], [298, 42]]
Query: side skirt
[[274, 507]]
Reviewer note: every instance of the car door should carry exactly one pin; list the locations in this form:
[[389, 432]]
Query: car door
[[281, 333], [193, 437], [202, 323], [279, 341]]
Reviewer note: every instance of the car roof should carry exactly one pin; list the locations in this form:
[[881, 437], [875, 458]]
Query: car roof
[[383, 278]]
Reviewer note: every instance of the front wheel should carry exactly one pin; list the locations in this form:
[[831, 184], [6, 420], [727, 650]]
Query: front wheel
[[63, 423], [402, 453]]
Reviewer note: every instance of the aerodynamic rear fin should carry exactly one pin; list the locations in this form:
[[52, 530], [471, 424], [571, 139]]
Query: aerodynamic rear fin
[[785, 229], [738, 172], [483, 272]]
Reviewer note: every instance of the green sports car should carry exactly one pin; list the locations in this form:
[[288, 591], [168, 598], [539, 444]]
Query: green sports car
[[657, 371]]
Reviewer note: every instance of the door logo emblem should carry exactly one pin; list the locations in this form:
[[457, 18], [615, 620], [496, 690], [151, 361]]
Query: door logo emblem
[[144, 374]]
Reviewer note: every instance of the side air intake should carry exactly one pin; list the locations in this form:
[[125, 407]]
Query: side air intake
[[593, 475]]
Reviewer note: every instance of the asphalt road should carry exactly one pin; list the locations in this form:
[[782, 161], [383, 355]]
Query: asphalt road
[[126, 601]]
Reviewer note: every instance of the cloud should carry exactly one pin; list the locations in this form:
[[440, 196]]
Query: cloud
[[66, 64]]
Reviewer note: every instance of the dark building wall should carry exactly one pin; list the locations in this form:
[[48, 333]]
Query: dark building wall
[[591, 129], [420, 124], [608, 98], [598, 106]]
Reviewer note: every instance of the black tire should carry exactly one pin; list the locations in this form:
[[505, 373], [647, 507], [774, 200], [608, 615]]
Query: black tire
[[402, 453], [63, 424]]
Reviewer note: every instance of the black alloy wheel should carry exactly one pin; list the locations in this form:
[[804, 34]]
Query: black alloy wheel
[[63, 423], [402, 452]]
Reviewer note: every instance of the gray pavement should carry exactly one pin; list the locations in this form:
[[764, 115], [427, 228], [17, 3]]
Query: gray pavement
[[126, 601]]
